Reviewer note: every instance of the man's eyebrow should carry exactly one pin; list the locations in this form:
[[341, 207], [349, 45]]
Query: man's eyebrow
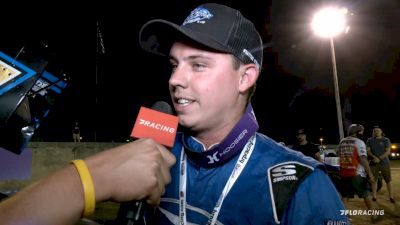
[[171, 58], [191, 57]]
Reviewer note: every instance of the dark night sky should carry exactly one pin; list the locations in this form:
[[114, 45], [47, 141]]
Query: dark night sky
[[295, 88]]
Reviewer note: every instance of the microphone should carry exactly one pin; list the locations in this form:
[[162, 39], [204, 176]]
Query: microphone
[[159, 124], [156, 123]]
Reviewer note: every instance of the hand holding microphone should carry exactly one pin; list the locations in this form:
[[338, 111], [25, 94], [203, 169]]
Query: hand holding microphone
[[137, 170], [159, 125], [133, 171], [141, 169]]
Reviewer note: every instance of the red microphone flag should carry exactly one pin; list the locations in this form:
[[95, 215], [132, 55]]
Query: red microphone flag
[[159, 126]]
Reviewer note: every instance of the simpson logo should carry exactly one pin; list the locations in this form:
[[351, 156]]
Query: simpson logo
[[285, 172], [284, 179]]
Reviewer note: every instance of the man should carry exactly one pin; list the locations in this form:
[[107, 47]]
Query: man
[[354, 169], [378, 148], [76, 133], [306, 147], [226, 172]]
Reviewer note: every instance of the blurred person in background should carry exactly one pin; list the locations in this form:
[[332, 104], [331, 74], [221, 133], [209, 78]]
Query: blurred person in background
[[354, 169], [378, 147], [76, 133], [306, 147]]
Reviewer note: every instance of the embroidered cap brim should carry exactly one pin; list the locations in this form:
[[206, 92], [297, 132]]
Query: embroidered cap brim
[[157, 36]]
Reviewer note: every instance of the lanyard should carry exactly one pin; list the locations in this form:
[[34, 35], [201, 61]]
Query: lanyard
[[237, 170]]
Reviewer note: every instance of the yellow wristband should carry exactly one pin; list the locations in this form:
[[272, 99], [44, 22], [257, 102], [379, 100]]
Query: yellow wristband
[[88, 187]]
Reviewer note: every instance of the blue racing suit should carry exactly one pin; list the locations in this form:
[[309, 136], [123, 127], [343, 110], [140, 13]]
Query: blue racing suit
[[277, 186]]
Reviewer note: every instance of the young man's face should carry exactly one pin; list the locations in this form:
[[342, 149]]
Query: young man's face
[[204, 87], [377, 132], [301, 137]]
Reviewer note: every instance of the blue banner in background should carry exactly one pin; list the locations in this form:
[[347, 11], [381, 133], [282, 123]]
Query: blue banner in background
[[15, 167]]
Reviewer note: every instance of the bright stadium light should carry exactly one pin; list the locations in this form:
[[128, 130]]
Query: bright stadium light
[[328, 23]]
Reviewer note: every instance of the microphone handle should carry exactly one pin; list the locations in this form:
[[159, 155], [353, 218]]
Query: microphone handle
[[134, 213]]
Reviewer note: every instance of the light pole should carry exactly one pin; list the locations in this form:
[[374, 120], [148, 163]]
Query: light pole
[[330, 22]]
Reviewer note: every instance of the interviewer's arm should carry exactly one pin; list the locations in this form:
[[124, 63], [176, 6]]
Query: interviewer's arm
[[134, 171]]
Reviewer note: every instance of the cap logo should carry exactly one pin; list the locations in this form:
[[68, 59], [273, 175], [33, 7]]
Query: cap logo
[[198, 15], [248, 54]]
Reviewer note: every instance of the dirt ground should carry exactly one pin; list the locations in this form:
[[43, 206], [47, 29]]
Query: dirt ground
[[391, 211], [108, 210]]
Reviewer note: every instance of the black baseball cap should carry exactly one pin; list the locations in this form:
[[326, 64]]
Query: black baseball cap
[[301, 131], [215, 26], [354, 128]]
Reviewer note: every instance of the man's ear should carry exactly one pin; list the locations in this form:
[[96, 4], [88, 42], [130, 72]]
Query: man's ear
[[248, 77]]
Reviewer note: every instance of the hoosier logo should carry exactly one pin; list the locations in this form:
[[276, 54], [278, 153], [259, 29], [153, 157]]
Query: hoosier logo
[[213, 158]]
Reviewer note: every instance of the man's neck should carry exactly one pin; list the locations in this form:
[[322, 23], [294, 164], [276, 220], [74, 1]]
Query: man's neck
[[304, 142], [213, 136]]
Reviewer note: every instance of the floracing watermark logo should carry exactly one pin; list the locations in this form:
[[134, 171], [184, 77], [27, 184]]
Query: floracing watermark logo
[[360, 212]]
